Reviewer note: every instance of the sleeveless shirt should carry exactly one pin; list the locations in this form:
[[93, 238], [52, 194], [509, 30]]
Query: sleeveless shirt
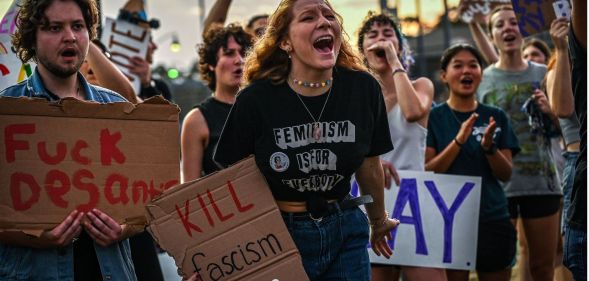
[[215, 112], [409, 140]]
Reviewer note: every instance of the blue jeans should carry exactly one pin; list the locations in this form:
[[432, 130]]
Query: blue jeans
[[57, 264], [333, 248], [568, 177], [575, 252]]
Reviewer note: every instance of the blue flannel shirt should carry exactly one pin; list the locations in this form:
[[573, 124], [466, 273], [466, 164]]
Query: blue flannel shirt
[[23, 263]]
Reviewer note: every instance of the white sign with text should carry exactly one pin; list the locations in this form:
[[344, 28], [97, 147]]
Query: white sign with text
[[125, 40], [439, 217]]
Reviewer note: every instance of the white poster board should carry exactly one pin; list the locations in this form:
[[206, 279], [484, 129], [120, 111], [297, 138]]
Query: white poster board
[[439, 217], [12, 69], [125, 40]]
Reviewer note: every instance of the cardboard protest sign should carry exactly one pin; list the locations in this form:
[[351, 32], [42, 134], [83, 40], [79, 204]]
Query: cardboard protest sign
[[533, 16], [226, 226], [439, 217], [12, 70], [57, 157], [125, 40], [477, 10]]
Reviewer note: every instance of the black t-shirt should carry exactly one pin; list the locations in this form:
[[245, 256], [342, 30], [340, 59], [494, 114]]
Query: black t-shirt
[[215, 113], [270, 122], [578, 213], [161, 88]]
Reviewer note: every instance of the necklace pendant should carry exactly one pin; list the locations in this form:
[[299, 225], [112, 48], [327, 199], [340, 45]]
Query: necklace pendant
[[316, 131]]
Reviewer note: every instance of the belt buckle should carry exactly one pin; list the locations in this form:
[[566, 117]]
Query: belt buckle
[[315, 219], [317, 207]]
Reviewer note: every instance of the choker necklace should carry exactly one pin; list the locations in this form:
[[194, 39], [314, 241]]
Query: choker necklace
[[313, 85], [316, 122]]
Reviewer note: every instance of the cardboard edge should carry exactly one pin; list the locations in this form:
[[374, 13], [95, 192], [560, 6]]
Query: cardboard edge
[[154, 109], [155, 233], [244, 163]]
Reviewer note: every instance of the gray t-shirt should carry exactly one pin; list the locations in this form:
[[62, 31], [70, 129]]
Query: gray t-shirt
[[570, 129], [534, 172]]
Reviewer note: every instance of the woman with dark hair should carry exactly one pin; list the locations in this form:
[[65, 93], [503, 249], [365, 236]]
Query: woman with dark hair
[[466, 137], [534, 193], [311, 103], [536, 50], [408, 103], [221, 65]]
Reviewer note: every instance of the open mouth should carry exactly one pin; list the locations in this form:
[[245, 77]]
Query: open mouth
[[324, 44], [466, 82], [69, 53], [380, 53], [238, 71], [509, 38]]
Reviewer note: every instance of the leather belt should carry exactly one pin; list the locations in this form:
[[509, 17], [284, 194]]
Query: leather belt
[[317, 209]]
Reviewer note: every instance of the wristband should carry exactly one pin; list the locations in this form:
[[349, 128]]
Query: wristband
[[399, 69], [458, 143], [381, 221]]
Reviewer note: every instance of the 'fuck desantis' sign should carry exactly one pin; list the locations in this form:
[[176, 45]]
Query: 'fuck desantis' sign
[[57, 157], [226, 227]]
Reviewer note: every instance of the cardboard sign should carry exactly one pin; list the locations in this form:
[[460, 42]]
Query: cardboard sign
[[125, 40], [477, 10], [57, 157], [12, 70], [533, 16], [226, 226], [439, 217]]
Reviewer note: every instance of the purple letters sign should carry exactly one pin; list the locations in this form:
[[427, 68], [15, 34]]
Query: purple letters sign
[[533, 16], [439, 217]]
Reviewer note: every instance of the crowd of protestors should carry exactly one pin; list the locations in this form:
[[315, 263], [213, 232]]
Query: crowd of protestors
[[508, 123]]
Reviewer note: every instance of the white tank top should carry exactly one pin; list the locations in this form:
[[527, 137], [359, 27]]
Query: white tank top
[[409, 140]]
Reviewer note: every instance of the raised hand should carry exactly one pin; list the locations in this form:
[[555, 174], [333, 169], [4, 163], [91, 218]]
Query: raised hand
[[389, 52], [466, 128], [141, 68], [487, 140], [559, 30]]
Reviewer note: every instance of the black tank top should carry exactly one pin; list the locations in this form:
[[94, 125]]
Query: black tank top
[[215, 112]]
